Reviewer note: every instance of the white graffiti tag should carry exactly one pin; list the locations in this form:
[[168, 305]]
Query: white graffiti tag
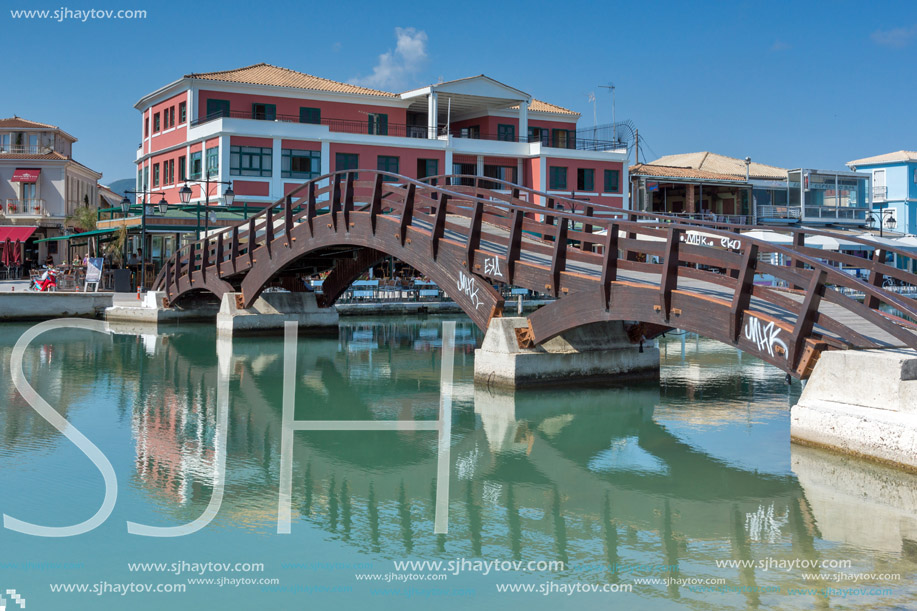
[[466, 284], [492, 267], [765, 337], [730, 243]]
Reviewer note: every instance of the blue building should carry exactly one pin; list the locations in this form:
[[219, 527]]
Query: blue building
[[894, 187]]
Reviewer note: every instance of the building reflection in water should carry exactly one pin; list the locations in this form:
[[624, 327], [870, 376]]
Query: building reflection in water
[[600, 477]]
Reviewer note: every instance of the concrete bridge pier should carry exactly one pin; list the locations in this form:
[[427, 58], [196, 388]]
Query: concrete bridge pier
[[596, 352], [270, 311], [861, 402]]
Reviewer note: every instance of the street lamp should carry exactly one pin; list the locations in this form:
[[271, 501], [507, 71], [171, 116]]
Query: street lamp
[[228, 197], [146, 208], [885, 217]]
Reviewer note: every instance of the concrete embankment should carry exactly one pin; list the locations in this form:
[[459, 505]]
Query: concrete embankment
[[31, 305]]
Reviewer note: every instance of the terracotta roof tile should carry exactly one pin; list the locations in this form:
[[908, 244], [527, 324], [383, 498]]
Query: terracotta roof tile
[[266, 74], [652, 169], [19, 122], [54, 156], [539, 106], [722, 164], [886, 158]]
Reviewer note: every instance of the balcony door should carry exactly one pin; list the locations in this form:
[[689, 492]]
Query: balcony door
[[878, 186], [29, 196]]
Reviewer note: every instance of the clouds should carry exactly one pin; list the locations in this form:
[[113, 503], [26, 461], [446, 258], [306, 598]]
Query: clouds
[[896, 38], [395, 68]]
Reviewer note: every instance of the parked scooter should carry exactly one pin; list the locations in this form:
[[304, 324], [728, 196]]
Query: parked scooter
[[46, 282]]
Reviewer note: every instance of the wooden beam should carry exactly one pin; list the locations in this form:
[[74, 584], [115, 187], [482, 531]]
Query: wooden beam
[[219, 261], [799, 240], [610, 263], [806, 318], [474, 233], [586, 245], [744, 285], [514, 246], [876, 278], [375, 208], [669, 281], [288, 219], [548, 219], [439, 225], [407, 212], [348, 201], [234, 248], [310, 208], [559, 258], [335, 200]]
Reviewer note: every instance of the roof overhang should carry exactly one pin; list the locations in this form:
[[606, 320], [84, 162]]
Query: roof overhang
[[467, 97]]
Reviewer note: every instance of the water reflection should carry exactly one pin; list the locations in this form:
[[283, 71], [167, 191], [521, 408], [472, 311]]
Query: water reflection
[[686, 472]]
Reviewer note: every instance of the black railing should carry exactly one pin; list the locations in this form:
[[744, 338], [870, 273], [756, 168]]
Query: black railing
[[348, 126]]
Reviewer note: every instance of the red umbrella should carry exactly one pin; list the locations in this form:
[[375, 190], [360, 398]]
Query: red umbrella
[[17, 252], [5, 252]]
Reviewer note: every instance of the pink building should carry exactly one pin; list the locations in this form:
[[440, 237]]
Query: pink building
[[269, 129]]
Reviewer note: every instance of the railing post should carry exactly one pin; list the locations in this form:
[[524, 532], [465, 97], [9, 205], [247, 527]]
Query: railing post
[[586, 245], [548, 219], [310, 208], [807, 314], [799, 241], [744, 285], [559, 258], [669, 280], [220, 254], [251, 241], [439, 224], [610, 262], [375, 208], [407, 212], [474, 234], [514, 246], [876, 278], [335, 200], [234, 249], [288, 219], [348, 200]]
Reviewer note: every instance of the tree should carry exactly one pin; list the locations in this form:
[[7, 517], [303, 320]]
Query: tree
[[83, 218]]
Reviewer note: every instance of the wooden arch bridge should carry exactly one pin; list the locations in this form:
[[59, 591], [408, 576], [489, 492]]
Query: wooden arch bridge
[[469, 233]]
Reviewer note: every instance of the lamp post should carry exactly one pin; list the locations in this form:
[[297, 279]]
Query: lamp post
[[145, 209], [884, 216], [228, 196]]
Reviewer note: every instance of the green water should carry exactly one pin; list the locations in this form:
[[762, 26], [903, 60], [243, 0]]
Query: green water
[[618, 485]]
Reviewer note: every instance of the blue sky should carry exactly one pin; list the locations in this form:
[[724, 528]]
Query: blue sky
[[811, 84]]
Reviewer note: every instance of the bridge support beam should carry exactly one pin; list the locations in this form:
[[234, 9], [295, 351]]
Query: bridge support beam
[[596, 352], [861, 402], [270, 311]]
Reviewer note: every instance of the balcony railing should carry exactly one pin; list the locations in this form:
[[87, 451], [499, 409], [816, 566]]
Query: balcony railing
[[349, 126], [839, 213], [23, 207], [879, 194], [26, 150], [779, 212], [735, 219]]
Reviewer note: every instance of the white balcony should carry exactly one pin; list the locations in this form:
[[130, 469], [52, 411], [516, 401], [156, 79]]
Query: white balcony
[[23, 208], [879, 194]]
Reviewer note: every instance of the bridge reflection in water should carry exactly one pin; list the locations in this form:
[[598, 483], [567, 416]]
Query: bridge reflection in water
[[687, 472]]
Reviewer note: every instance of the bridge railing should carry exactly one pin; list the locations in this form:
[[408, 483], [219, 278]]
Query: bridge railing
[[569, 234]]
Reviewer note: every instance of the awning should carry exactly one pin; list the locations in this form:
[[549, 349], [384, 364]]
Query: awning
[[26, 175], [74, 236], [16, 233]]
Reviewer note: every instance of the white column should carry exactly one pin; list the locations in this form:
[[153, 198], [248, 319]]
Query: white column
[[326, 158], [276, 181], [223, 170], [449, 162], [192, 105], [480, 169], [520, 178], [432, 115], [523, 121]]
